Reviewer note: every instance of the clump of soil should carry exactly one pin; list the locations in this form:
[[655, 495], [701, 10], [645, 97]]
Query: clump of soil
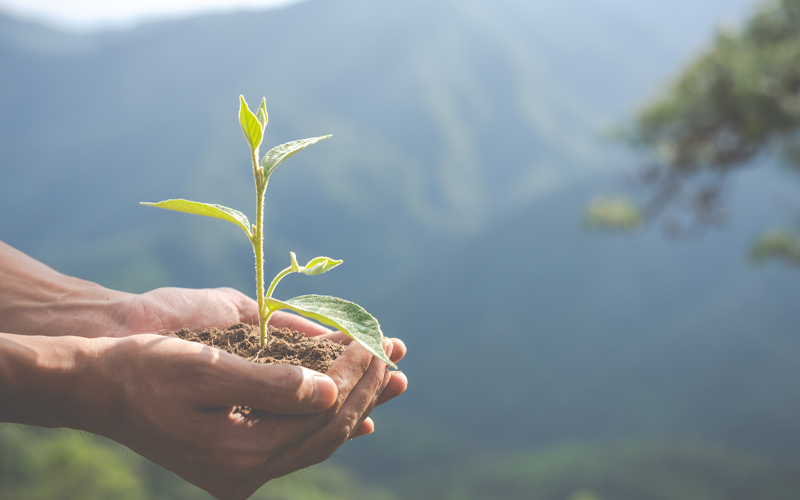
[[286, 346]]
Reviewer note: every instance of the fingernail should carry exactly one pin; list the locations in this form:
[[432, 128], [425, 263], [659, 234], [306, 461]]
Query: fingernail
[[324, 392]]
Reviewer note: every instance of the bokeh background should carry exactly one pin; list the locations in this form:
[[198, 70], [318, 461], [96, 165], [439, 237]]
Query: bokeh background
[[580, 216]]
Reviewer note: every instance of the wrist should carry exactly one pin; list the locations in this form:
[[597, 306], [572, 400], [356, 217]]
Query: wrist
[[37, 300], [53, 382]]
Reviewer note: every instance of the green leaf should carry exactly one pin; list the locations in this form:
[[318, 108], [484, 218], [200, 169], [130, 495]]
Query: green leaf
[[317, 265], [253, 131], [295, 266], [276, 155], [349, 318], [217, 211], [261, 114]]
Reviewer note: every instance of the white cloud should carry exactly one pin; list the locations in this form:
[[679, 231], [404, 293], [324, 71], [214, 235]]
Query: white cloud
[[87, 15]]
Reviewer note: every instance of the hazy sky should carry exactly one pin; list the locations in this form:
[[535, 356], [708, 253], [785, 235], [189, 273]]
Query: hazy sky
[[84, 15]]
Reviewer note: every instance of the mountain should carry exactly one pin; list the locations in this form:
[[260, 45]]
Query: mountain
[[445, 115], [468, 136], [539, 332]]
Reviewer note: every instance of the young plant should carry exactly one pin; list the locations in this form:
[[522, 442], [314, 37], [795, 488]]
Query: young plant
[[349, 318]]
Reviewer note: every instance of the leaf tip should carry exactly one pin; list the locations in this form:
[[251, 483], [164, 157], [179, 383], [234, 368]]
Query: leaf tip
[[295, 265], [261, 113]]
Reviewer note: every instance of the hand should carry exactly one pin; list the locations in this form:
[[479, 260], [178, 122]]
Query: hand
[[175, 401], [37, 300], [170, 309], [171, 401], [398, 382], [175, 407]]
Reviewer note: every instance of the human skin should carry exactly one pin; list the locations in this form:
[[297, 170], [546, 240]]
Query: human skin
[[75, 354]]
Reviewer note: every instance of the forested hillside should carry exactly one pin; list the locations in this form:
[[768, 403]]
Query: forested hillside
[[467, 137]]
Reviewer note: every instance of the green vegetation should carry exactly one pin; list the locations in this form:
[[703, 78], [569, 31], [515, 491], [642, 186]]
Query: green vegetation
[[613, 213], [732, 100], [66, 465], [38, 464], [619, 471], [625, 337], [780, 244], [736, 100], [79, 467], [349, 318]]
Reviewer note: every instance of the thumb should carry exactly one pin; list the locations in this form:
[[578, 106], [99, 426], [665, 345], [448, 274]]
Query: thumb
[[284, 389]]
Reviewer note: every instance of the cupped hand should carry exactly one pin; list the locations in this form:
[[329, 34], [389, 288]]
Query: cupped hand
[[172, 400], [170, 309], [173, 403]]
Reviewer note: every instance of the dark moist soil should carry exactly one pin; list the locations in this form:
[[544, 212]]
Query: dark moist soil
[[286, 346]]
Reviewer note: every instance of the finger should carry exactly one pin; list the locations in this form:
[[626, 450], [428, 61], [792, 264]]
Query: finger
[[398, 383], [366, 427], [362, 400], [386, 375], [337, 337], [170, 309], [358, 402], [246, 307], [320, 444], [347, 370], [282, 389], [283, 319], [386, 378], [398, 350]]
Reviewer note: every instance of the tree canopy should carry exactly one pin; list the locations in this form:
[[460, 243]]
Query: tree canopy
[[736, 100]]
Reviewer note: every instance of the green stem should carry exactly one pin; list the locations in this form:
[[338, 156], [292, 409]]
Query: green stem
[[277, 279], [258, 247]]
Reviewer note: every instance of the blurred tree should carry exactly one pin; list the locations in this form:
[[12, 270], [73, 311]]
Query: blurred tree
[[737, 100], [38, 464], [777, 244], [583, 495], [66, 466], [614, 213]]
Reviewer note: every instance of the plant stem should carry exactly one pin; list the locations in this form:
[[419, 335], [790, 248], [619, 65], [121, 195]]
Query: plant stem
[[277, 279], [258, 246]]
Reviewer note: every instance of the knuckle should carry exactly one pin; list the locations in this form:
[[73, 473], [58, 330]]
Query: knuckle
[[336, 438], [340, 436], [341, 432], [350, 426]]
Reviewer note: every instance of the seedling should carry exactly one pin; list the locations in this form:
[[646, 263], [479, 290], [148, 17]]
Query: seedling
[[347, 317]]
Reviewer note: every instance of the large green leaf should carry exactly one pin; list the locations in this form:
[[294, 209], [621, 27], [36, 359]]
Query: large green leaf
[[251, 126], [217, 211], [349, 318], [276, 155]]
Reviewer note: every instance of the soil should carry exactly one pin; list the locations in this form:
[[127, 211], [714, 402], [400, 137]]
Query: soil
[[286, 346]]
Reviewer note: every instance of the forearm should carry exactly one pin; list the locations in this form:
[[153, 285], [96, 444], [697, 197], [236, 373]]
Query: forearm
[[52, 382], [37, 300]]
